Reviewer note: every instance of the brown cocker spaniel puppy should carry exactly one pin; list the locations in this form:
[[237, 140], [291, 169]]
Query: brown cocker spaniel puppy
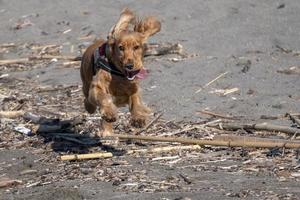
[[111, 71]]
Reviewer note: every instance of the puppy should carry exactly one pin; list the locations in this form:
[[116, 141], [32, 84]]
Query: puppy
[[111, 71]]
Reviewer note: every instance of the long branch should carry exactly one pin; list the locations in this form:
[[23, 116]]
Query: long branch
[[246, 142]]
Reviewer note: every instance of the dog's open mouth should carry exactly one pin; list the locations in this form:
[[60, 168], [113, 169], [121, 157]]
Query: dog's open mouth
[[139, 74]]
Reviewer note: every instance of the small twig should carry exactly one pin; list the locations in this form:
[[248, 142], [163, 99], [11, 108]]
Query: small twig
[[42, 57], [18, 107], [72, 64], [193, 127], [236, 138], [7, 45], [212, 81], [6, 182], [87, 156], [165, 158], [285, 50], [150, 123], [164, 149], [185, 178], [201, 163], [216, 114], [272, 117], [14, 61], [229, 91]]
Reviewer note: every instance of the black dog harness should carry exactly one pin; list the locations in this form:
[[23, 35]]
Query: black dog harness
[[101, 62]]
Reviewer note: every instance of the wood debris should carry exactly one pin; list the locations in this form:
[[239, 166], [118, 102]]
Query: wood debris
[[7, 182], [86, 156]]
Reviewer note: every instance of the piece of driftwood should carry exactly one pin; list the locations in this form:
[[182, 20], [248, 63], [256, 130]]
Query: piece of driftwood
[[87, 156], [258, 127], [13, 61], [216, 114], [272, 117], [292, 70], [164, 149], [8, 45], [11, 114], [245, 143], [225, 137], [43, 57], [186, 178], [7, 182], [58, 57], [294, 119], [229, 91], [155, 49], [72, 135]]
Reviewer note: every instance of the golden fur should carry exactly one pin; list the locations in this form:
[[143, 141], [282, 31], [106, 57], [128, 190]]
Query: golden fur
[[107, 91]]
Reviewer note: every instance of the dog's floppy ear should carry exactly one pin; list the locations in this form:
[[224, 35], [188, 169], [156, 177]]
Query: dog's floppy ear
[[147, 27], [127, 17]]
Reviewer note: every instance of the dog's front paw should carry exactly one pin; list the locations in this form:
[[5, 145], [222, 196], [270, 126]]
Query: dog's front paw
[[138, 121], [109, 115]]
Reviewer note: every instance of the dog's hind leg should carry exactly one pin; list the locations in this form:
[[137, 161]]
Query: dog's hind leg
[[91, 108]]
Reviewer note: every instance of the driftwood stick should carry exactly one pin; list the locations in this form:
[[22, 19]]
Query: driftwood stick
[[155, 49], [43, 57], [225, 137], [212, 81], [164, 149], [216, 114], [11, 114], [259, 127], [7, 45], [59, 57], [13, 61], [260, 143], [87, 156], [7, 182]]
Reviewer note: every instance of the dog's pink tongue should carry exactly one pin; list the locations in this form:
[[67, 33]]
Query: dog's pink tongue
[[142, 74]]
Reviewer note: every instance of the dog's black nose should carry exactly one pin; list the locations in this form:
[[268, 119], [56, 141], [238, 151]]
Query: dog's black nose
[[129, 66]]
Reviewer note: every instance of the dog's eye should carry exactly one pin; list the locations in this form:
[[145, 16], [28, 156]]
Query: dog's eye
[[121, 48], [136, 47]]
